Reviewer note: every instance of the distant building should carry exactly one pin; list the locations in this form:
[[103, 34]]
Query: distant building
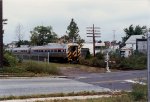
[[12, 44], [126, 52], [131, 42], [141, 45], [132, 45], [98, 47]]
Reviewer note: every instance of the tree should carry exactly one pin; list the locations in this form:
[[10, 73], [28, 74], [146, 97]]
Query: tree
[[64, 39], [134, 31], [22, 42], [42, 35], [80, 41], [100, 41], [137, 30], [19, 34], [72, 31]]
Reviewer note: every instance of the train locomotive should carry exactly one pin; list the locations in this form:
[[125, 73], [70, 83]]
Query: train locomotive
[[53, 51]]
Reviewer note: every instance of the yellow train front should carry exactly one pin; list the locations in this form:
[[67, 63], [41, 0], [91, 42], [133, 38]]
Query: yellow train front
[[73, 52]]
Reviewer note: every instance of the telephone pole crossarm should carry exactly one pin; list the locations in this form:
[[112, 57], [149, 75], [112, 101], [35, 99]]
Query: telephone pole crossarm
[[95, 32]]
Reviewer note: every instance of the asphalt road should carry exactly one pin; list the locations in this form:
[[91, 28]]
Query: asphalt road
[[122, 80], [44, 85], [74, 83]]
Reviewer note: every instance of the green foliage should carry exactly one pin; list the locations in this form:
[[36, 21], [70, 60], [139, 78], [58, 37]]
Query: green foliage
[[41, 67], [9, 59], [14, 69], [133, 62], [139, 92], [80, 41], [42, 35], [22, 42], [100, 56], [95, 62], [137, 61], [72, 31], [88, 55]]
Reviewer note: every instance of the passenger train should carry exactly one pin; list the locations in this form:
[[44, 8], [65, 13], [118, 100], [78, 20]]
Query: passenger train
[[55, 51]]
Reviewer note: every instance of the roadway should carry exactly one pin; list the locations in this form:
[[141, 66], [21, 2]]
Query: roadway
[[76, 82], [122, 80], [43, 85]]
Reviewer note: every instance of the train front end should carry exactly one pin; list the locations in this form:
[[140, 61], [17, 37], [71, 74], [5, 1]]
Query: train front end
[[73, 52]]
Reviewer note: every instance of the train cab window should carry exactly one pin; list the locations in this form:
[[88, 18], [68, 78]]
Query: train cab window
[[73, 48]]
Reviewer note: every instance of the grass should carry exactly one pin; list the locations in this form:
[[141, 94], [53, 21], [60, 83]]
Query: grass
[[123, 98], [138, 94], [84, 93], [34, 68], [30, 68], [41, 67]]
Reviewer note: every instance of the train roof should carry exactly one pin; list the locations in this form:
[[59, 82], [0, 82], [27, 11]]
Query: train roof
[[48, 47], [21, 48], [54, 46]]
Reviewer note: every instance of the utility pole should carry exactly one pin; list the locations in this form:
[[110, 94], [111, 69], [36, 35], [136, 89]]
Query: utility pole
[[1, 33], [95, 31], [148, 65]]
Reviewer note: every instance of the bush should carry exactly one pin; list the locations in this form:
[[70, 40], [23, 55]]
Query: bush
[[41, 67], [94, 62], [133, 62], [139, 92], [100, 56], [9, 60], [15, 69]]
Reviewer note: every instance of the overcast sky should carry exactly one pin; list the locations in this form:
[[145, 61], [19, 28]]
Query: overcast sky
[[109, 15]]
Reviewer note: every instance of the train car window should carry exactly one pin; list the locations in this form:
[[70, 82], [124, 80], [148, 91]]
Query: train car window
[[51, 50], [45, 50], [55, 50], [59, 50]]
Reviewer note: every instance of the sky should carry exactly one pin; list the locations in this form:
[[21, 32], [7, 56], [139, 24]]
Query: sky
[[109, 15]]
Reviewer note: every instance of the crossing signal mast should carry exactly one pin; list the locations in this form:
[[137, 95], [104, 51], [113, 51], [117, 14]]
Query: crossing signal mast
[[1, 33], [95, 32]]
